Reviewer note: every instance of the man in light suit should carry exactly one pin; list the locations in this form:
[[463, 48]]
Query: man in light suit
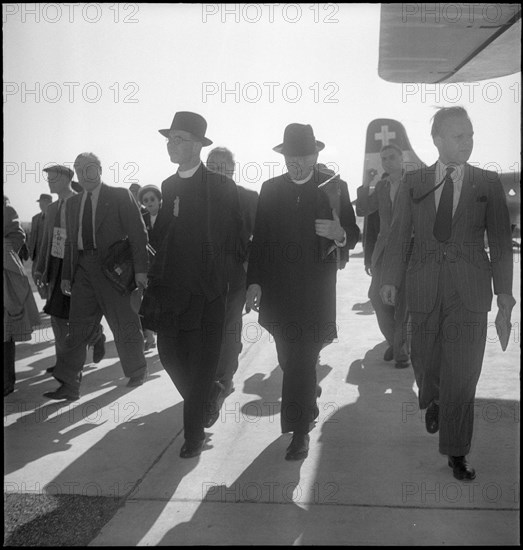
[[96, 219], [450, 205], [48, 270], [381, 199]]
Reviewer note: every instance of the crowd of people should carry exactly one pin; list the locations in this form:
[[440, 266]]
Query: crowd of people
[[200, 248]]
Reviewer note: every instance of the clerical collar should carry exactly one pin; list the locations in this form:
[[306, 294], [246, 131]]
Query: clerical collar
[[304, 180], [189, 173]]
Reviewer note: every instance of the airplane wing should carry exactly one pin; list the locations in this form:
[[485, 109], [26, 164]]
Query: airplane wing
[[422, 42]]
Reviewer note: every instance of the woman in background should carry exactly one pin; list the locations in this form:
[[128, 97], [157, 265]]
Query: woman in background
[[151, 198]]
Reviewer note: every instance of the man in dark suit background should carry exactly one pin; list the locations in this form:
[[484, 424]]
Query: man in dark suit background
[[381, 199], [95, 220], [221, 160], [292, 273], [189, 277], [450, 205], [37, 232]]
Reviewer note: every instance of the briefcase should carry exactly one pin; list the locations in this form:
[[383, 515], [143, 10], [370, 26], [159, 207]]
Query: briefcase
[[118, 267]]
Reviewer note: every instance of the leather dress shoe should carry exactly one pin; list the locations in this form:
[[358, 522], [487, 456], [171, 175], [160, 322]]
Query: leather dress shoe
[[135, 381], [64, 392], [50, 370], [99, 349], [461, 469], [432, 418], [389, 354], [299, 447], [191, 448], [402, 364]]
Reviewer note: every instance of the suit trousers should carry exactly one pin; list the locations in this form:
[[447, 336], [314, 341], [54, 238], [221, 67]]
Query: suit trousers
[[93, 296], [447, 355], [190, 356], [60, 331], [392, 320], [298, 361], [232, 335]]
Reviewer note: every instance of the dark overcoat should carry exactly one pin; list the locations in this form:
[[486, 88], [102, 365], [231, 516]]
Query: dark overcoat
[[295, 268]]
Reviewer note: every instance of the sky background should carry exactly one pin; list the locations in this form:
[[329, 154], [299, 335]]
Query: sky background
[[105, 77]]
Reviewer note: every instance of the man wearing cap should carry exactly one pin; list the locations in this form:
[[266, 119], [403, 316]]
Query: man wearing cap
[[189, 278], [48, 270], [37, 229], [96, 219], [292, 272]]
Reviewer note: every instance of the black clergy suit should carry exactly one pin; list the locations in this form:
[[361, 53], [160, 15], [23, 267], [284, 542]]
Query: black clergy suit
[[185, 300], [449, 290], [298, 282]]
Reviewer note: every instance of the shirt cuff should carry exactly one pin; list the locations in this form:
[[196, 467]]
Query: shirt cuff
[[343, 242]]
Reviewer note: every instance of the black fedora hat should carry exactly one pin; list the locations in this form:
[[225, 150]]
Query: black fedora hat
[[299, 141], [189, 122], [45, 197]]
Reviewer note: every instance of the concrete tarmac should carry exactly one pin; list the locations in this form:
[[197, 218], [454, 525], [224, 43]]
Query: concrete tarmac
[[373, 476]]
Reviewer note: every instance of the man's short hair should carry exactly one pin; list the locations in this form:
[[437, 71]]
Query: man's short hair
[[391, 146], [223, 152], [444, 114], [89, 156]]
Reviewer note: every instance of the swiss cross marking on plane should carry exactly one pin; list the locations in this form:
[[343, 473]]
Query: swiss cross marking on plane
[[384, 136]]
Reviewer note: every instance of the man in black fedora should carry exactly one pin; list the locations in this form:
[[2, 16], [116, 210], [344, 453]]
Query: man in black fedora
[[292, 269], [188, 282]]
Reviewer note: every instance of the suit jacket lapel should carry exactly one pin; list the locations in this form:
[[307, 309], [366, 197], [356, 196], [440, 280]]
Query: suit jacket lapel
[[426, 184]]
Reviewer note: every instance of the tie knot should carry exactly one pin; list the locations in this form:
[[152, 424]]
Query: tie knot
[[450, 169]]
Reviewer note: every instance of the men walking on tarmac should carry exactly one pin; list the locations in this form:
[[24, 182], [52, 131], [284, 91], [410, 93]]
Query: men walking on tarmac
[[292, 273], [95, 220], [49, 263], [449, 275]]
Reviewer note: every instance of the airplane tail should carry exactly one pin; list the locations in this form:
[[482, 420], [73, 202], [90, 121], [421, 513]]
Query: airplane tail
[[386, 131]]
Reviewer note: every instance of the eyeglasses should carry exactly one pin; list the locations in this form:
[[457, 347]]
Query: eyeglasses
[[176, 139]]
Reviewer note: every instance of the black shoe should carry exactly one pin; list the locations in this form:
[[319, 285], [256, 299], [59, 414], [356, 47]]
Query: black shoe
[[135, 381], [299, 447], [50, 370], [402, 364], [461, 469], [191, 448], [99, 349], [432, 418], [389, 354], [64, 392]]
